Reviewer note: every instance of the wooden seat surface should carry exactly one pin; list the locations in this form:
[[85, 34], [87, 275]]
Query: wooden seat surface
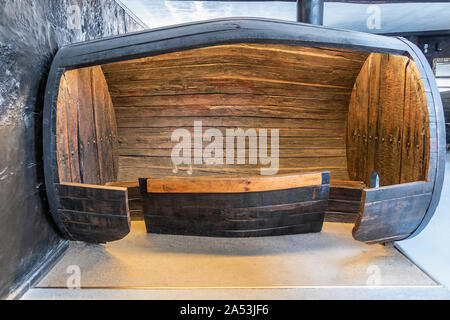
[[207, 184]]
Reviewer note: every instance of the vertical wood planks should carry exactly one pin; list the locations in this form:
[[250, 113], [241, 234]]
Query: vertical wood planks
[[67, 121], [373, 138], [106, 128], [87, 130], [398, 148], [390, 120], [416, 135], [388, 128], [357, 125], [87, 134]]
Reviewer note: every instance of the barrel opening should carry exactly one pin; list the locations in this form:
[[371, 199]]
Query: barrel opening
[[344, 111]]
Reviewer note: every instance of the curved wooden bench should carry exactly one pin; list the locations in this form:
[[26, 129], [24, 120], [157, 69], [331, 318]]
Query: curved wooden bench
[[236, 207]]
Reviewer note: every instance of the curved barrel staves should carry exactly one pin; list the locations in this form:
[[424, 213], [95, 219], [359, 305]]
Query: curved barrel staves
[[312, 82]]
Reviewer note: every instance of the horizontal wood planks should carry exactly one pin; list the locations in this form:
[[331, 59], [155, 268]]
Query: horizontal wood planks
[[344, 201], [245, 214], [134, 197], [388, 126], [391, 213], [86, 128], [93, 213], [303, 92], [233, 185]]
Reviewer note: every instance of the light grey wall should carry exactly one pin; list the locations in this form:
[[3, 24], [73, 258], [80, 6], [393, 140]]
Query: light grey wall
[[382, 18], [430, 249]]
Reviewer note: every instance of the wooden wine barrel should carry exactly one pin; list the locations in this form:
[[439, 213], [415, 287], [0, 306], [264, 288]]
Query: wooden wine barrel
[[324, 100]]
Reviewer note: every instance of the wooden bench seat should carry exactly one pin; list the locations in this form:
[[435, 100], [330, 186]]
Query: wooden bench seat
[[343, 203], [236, 207]]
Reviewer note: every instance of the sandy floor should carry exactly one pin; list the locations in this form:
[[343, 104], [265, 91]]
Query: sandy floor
[[330, 258]]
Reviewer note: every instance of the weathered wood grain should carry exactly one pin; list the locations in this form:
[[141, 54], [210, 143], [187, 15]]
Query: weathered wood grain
[[106, 127], [388, 129], [393, 212], [86, 128], [302, 91], [183, 229], [87, 134], [344, 201], [236, 214], [93, 213], [134, 198], [233, 185], [67, 122], [416, 131]]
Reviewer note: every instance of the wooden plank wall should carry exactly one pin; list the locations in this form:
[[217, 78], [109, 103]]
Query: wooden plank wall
[[388, 127], [86, 128], [302, 91]]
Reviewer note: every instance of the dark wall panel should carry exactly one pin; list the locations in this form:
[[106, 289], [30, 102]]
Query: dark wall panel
[[30, 33], [446, 103], [438, 46]]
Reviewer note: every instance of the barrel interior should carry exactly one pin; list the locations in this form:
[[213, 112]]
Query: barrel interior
[[343, 111]]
